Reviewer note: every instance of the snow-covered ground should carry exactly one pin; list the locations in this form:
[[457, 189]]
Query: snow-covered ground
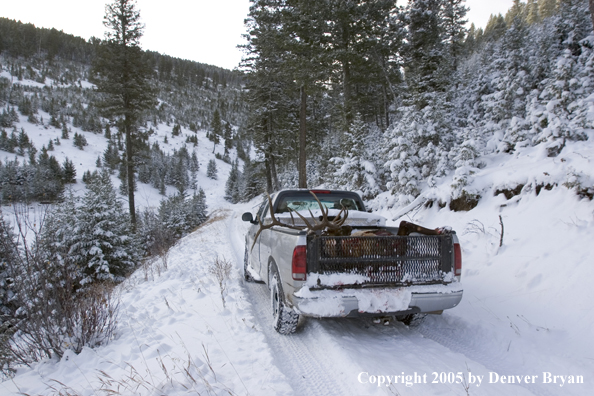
[[524, 325]]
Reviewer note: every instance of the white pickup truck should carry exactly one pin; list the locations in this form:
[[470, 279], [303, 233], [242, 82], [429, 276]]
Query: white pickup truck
[[323, 255]]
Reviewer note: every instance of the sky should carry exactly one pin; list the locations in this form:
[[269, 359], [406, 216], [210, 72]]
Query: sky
[[205, 31]]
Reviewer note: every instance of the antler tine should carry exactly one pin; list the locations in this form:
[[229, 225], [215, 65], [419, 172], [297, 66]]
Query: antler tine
[[262, 226], [334, 224], [322, 207], [307, 223], [274, 222]]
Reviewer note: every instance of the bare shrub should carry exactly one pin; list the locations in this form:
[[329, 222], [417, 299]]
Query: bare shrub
[[221, 269], [475, 227]]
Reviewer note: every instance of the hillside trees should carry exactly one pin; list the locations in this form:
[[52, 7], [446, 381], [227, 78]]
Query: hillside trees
[[122, 77], [362, 37], [422, 135], [312, 66], [271, 115], [41, 178]]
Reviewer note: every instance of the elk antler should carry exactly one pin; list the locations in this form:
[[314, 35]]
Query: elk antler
[[324, 223], [274, 222]]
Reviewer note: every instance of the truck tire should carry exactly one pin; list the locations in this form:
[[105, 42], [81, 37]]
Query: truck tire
[[412, 320], [284, 319], [246, 274]]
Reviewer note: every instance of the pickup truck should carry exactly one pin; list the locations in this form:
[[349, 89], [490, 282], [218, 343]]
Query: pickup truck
[[323, 255]]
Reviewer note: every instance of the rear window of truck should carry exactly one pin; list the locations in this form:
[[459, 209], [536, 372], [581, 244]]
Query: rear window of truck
[[303, 200]]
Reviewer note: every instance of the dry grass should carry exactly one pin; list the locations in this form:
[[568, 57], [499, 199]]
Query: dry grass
[[183, 374], [215, 216]]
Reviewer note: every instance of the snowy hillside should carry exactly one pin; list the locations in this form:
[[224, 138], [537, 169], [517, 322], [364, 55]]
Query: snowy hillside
[[525, 310], [86, 159]]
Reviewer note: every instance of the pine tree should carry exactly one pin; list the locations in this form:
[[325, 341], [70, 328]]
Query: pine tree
[[68, 172], [232, 186], [79, 141], [103, 242], [211, 169], [228, 136], [176, 130], [111, 156], [59, 238], [354, 171], [8, 262], [180, 216], [547, 8], [454, 32], [532, 15], [121, 76], [65, 133], [216, 129]]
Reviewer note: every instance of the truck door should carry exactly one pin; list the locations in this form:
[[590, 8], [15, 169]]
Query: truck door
[[255, 253]]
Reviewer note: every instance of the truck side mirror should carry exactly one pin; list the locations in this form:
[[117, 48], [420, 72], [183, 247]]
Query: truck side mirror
[[247, 216]]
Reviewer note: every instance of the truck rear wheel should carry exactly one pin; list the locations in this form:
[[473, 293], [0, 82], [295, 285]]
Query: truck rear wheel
[[284, 319], [246, 273]]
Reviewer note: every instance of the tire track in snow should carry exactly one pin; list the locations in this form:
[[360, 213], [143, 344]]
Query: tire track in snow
[[304, 357]]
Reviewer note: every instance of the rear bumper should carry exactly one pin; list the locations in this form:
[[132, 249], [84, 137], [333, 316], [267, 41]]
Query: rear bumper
[[376, 302]]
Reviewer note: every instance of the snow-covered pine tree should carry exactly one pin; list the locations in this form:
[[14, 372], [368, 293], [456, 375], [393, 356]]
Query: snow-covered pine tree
[[8, 262], [104, 242], [59, 235], [253, 180], [419, 141], [198, 208], [228, 136], [211, 169], [232, 186], [68, 172], [121, 75], [181, 216], [354, 171], [216, 129]]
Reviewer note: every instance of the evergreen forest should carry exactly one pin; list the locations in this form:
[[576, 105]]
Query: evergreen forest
[[392, 96]]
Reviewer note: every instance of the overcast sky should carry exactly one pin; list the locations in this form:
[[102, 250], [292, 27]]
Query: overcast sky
[[205, 31]]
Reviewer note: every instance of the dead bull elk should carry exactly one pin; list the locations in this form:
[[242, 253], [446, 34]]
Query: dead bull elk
[[323, 226]]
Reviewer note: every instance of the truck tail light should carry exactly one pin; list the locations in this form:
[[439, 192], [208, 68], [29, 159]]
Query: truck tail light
[[457, 259], [299, 263]]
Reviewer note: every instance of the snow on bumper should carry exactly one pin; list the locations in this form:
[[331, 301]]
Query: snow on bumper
[[351, 302]]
